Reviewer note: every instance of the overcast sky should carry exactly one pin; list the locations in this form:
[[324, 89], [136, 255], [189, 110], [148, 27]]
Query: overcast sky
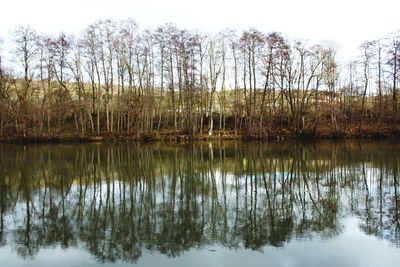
[[346, 22]]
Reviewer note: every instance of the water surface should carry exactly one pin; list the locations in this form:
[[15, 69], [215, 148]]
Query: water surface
[[201, 204]]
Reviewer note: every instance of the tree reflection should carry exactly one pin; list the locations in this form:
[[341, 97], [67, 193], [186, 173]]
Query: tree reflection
[[117, 200]]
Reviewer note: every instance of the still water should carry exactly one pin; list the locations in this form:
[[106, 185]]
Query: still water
[[201, 204]]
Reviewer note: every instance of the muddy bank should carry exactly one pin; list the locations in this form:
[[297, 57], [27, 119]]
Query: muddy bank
[[177, 136]]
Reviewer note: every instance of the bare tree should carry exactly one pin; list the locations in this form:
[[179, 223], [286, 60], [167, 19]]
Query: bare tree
[[1, 69], [367, 56], [2, 90], [117, 79], [394, 62], [46, 76], [216, 55], [26, 49]]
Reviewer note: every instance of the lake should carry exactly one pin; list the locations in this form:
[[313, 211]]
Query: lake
[[230, 203]]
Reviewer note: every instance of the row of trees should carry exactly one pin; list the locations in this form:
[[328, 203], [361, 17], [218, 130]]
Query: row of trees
[[117, 79]]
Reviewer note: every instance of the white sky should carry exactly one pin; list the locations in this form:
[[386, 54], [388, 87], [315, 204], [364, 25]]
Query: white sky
[[346, 22]]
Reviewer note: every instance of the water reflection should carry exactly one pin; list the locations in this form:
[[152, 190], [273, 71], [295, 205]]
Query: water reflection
[[117, 200]]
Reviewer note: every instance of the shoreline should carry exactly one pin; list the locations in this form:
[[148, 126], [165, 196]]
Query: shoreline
[[176, 136]]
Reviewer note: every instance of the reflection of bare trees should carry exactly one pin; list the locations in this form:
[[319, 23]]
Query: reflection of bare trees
[[116, 200], [3, 205]]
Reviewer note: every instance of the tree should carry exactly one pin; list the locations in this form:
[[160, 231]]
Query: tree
[[1, 70], [216, 54], [59, 49], [46, 76], [2, 89], [26, 49], [116, 78], [378, 49], [367, 50], [251, 45], [270, 59], [394, 63], [330, 76]]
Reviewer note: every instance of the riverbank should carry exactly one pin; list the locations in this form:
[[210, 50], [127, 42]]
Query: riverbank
[[178, 136]]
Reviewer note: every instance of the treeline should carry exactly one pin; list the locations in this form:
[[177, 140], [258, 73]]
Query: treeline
[[115, 79]]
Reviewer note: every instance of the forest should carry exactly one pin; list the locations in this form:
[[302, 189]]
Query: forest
[[118, 80]]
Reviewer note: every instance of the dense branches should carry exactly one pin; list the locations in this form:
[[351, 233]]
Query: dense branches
[[115, 79]]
